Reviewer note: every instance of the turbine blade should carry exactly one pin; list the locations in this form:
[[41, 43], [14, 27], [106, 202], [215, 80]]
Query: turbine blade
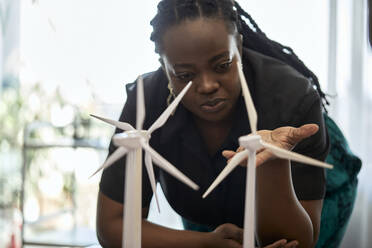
[[252, 114], [168, 167], [150, 172], [165, 115], [226, 171], [140, 104], [121, 125], [285, 154], [118, 153]]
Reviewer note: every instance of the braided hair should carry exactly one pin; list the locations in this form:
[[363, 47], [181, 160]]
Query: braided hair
[[172, 12]]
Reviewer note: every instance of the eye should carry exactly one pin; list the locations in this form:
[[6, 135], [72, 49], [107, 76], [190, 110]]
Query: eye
[[185, 76], [223, 67]]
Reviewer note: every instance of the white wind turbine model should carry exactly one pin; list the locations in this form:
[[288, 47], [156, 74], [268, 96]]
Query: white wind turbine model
[[131, 142], [252, 143]]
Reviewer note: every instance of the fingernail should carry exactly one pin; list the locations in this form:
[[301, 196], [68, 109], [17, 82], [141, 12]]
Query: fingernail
[[311, 127], [283, 242], [295, 245]]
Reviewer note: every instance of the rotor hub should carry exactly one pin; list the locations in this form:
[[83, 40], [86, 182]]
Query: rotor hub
[[131, 139], [251, 142]]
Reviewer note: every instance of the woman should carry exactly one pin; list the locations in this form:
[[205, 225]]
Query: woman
[[196, 40]]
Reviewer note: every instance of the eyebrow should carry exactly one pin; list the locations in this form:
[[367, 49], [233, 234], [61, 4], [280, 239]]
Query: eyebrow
[[211, 60], [217, 57]]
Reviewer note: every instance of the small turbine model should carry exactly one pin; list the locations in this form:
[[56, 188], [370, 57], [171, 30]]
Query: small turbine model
[[252, 143], [131, 142]]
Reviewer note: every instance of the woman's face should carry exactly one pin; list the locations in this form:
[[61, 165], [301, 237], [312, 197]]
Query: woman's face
[[203, 51]]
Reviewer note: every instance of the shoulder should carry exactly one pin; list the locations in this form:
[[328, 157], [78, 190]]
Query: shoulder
[[274, 76], [281, 92], [155, 92], [285, 97], [152, 82]]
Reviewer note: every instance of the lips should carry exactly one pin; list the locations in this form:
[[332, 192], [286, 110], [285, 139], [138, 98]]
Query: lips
[[213, 105]]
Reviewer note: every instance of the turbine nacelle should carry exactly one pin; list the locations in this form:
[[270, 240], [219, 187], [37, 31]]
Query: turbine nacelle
[[131, 139], [252, 142]]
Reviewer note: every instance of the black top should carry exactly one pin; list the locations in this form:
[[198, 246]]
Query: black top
[[282, 97]]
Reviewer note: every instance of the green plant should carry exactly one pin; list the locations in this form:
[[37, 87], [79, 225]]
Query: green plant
[[28, 104]]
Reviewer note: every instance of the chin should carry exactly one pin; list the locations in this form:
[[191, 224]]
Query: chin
[[215, 117]]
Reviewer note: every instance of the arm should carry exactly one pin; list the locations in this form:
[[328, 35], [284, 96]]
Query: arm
[[279, 213], [314, 210], [109, 231], [297, 202]]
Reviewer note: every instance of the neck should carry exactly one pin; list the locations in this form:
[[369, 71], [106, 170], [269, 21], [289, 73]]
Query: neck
[[226, 123], [214, 133]]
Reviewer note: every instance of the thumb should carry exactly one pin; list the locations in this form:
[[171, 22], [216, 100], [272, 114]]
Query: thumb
[[230, 231], [228, 154], [303, 132]]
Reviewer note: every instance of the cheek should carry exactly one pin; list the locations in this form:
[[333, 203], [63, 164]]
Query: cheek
[[236, 86], [234, 92], [231, 85], [189, 100], [177, 88]]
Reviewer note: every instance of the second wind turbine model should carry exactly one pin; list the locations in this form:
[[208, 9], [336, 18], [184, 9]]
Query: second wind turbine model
[[252, 143]]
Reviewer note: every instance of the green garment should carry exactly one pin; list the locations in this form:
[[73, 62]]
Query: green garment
[[341, 190]]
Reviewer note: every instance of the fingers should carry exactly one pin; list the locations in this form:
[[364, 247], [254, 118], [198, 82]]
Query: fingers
[[283, 244], [292, 244], [262, 157], [230, 231], [240, 148], [228, 154], [305, 131], [277, 244], [230, 243]]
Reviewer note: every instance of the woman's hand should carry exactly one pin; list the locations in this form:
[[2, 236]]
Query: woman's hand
[[284, 137], [225, 236], [230, 236], [283, 244]]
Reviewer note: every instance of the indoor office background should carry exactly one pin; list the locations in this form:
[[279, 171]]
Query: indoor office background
[[62, 60]]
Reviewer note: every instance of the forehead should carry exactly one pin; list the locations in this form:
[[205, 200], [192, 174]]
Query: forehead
[[199, 37]]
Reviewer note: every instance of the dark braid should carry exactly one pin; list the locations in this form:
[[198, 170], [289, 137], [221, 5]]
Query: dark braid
[[171, 12], [258, 41], [187, 9]]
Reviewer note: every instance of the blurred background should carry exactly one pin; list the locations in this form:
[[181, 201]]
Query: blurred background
[[62, 60]]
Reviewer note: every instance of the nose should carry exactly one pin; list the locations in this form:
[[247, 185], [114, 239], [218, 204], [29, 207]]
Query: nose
[[207, 84]]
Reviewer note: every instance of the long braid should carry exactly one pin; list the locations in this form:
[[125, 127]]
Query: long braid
[[258, 41], [171, 12]]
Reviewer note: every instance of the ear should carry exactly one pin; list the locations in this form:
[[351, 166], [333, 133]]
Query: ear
[[163, 66], [161, 61]]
